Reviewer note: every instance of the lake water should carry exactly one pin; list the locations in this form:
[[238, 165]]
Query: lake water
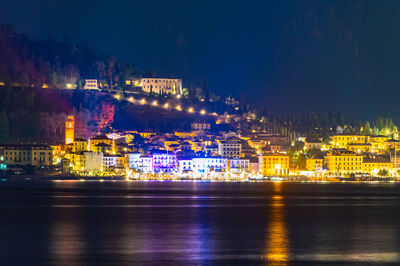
[[171, 223]]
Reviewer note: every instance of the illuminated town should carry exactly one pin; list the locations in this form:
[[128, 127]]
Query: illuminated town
[[205, 152], [187, 133]]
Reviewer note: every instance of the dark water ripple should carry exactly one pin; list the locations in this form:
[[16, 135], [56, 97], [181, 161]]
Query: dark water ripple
[[170, 223]]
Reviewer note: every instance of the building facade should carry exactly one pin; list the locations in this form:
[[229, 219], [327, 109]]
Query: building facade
[[230, 149], [27, 154], [343, 162], [69, 130], [161, 85], [91, 84], [274, 164]]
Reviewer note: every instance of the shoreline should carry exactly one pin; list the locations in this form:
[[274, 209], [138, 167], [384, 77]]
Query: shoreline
[[28, 178]]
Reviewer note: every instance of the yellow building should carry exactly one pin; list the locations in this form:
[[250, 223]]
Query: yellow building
[[314, 164], [312, 144], [146, 134], [69, 130], [80, 145], [379, 143], [185, 135], [77, 161], [343, 162], [274, 164], [102, 148], [27, 154], [360, 147], [374, 165], [393, 144], [341, 141], [57, 150], [97, 140]]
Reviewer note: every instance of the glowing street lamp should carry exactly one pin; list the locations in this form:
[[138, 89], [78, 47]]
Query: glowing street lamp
[[154, 103], [179, 108], [190, 110], [166, 105], [143, 101], [131, 99], [203, 112]]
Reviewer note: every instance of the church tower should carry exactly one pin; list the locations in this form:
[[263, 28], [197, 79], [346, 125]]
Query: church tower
[[69, 130]]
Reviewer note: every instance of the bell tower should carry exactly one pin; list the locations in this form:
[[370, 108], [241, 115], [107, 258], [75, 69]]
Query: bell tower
[[69, 130]]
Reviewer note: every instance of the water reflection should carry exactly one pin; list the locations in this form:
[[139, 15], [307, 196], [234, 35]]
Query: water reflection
[[277, 245], [66, 243]]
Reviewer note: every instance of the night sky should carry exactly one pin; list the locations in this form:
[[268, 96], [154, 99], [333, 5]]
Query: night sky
[[291, 56]]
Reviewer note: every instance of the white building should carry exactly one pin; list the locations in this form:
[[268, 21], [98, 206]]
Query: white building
[[109, 161], [230, 149], [239, 165], [185, 165], [164, 162], [206, 165], [161, 85], [146, 164], [93, 161], [91, 84], [113, 161], [134, 161]]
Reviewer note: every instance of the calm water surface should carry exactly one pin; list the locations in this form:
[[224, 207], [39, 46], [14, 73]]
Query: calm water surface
[[168, 223]]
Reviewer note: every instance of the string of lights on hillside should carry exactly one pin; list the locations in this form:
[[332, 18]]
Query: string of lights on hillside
[[167, 105]]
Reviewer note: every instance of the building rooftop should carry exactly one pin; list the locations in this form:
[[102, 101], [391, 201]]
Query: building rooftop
[[99, 138]]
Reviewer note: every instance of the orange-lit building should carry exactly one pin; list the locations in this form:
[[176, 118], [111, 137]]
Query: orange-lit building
[[274, 164], [69, 130]]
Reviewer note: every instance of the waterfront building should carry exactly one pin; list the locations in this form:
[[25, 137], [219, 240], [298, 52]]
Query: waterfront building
[[373, 165], [239, 165], [272, 164], [146, 164], [161, 85], [163, 162], [184, 165], [27, 154], [93, 162], [230, 148], [314, 164], [343, 162], [113, 161], [134, 161], [209, 164], [69, 130], [76, 161]]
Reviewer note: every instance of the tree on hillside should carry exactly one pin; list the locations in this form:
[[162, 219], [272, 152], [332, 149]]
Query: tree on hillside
[[367, 128]]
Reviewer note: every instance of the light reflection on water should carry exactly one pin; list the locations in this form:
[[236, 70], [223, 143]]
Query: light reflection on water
[[277, 251], [197, 224]]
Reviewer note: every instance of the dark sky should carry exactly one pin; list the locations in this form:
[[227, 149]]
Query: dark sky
[[288, 55]]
